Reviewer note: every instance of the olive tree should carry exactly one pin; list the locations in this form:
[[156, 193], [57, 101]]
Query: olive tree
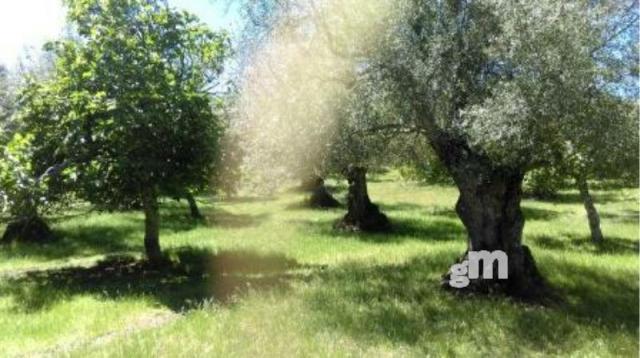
[[497, 87], [608, 150]]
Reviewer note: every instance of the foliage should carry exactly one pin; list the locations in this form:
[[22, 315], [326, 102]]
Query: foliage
[[301, 100], [228, 178], [503, 77], [21, 192], [417, 161], [494, 74], [544, 183], [128, 105]]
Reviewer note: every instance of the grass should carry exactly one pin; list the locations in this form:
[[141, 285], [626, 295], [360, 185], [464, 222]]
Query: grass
[[264, 277]]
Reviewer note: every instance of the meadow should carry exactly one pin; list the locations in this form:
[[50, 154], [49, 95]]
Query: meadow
[[267, 277]]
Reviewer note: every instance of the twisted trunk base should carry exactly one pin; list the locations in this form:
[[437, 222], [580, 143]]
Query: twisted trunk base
[[489, 208], [362, 214], [320, 197], [31, 229]]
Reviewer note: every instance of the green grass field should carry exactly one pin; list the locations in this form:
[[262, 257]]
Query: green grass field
[[264, 277]]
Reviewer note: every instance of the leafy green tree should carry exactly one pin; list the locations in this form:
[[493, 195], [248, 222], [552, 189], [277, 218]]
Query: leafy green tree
[[130, 105]]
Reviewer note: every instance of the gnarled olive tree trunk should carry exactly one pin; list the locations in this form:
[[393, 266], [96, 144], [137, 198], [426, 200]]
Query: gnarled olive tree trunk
[[30, 228], [362, 214], [489, 207], [320, 197], [592, 212], [151, 224]]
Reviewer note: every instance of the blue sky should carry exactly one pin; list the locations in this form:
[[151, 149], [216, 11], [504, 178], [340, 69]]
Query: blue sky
[[27, 24]]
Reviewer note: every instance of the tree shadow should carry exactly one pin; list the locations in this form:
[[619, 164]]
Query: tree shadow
[[533, 214], [404, 304], [68, 215], [624, 216], [401, 229], [401, 207], [444, 211], [610, 246], [83, 241], [177, 217], [612, 184], [225, 219], [126, 235], [573, 197], [305, 204], [598, 296], [248, 199], [192, 277], [529, 213], [433, 229]]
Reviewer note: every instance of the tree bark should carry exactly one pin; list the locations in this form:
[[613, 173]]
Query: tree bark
[[193, 205], [362, 214], [151, 224], [592, 212], [320, 197], [489, 208], [27, 229]]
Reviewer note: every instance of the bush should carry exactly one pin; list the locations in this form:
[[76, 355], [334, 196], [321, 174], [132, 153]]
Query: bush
[[543, 183]]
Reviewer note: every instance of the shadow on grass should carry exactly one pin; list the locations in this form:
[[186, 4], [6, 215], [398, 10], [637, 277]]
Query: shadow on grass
[[404, 304], [304, 204], [401, 229], [402, 207], [529, 213], [177, 217], [611, 245], [125, 234], [533, 214], [81, 240], [225, 219], [624, 216], [192, 277], [248, 199], [598, 295], [573, 197]]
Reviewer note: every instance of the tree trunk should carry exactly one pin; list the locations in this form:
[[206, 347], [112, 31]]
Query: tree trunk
[[362, 214], [592, 213], [193, 205], [151, 224], [320, 197], [489, 208], [31, 229]]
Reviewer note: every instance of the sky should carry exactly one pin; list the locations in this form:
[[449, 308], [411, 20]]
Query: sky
[[25, 25]]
